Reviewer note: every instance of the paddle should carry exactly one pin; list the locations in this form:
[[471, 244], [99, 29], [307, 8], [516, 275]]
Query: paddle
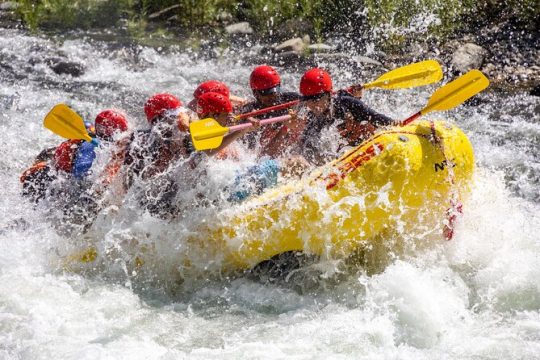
[[453, 94], [63, 121], [413, 75], [208, 133]]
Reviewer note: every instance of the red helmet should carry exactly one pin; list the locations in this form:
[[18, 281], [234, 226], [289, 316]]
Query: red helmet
[[211, 86], [158, 104], [264, 77], [108, 122], [212, 102], [65, 154], [315, 82]]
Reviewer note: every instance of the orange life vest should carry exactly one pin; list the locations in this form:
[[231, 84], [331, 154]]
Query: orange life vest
[[34, 169]]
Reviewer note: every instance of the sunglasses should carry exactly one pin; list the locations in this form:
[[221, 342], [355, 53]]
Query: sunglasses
[[270, 91]]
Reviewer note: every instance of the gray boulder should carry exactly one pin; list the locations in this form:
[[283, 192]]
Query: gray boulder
[[289, 58], [321, 48], [366, 60], [224, 17], [68, 68], [468, 56], [239, 28], [9, 6], [535, 91], [292, 27], [296, 45]]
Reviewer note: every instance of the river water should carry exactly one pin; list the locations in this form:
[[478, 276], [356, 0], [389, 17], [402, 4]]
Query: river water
[[475, 297]]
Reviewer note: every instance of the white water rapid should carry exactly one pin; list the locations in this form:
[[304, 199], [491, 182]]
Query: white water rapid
[[475, 297]]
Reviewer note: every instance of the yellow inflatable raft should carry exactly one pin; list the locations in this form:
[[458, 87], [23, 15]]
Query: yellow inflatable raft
[[390, 194], [403, 181]]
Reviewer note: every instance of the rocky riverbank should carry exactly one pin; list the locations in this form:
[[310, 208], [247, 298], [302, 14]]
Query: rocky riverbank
[[509, 55]]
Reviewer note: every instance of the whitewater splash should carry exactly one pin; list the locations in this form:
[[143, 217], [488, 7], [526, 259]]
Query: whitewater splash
[[474, 297]]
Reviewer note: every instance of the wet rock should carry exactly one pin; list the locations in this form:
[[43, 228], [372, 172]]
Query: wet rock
[[9, 6], [321, 48], [337, 58], [535, 91], [489, 68], [519, 74], [366, 60], [68, 68], [163, 13], [122, 23], [239, 28], [224, 17], [296, 45], [292, 27], [289, 58], [173, 19], [9, 18], [468, 56]]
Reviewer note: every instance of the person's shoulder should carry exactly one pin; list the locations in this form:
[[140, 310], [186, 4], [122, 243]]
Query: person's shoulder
[[248, 107], [344, 98], [46, 154]]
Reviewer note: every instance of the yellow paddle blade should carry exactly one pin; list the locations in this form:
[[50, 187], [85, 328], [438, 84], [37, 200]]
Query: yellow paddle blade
[[207, 134], [417, 74], [65, 122], [456, 92]]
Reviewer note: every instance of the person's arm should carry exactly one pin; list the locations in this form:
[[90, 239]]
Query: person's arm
[[237, 102], [362, 112], [115, 163], [45, 155], [245, 107], [83, 160], [230, 138], [131, 163]]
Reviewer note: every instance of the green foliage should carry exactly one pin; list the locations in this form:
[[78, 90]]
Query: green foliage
[[29, 13], [72, 14], [394, 20]]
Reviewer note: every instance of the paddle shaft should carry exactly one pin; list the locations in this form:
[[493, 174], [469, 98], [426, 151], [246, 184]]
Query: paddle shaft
[[263, 122], [410, 119], [268, 109]]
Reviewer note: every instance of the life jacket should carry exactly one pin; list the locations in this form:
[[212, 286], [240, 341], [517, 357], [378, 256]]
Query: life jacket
[[35, 180], [65, 155], [32, 170]]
